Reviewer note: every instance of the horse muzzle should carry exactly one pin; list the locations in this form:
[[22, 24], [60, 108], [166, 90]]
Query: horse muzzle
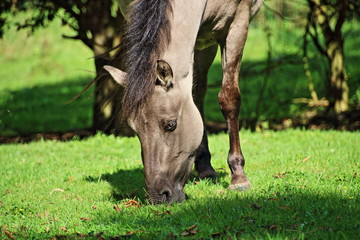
[[166, 194]]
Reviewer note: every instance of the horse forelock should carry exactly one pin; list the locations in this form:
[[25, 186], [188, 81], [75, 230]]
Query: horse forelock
[[147, 35]]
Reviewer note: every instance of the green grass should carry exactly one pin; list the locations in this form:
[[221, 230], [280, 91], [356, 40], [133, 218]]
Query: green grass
[[305, 185]]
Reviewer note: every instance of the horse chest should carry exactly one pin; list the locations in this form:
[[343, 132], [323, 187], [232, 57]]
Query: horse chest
[[212, 32], [217, 17]]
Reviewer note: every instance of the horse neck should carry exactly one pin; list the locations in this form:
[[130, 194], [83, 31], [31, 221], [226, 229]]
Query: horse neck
[[185, 18]]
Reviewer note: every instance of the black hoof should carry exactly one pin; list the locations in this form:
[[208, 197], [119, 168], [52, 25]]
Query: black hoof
[[208, 174]]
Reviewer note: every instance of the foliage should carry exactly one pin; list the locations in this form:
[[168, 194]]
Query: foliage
[[87, 189], [328, 17], [285, 77], [84, 17]]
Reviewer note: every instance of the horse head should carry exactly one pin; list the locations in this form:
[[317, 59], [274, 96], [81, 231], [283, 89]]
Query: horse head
[[170, 129]]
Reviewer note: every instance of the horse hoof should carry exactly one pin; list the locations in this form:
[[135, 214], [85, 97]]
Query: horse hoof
[[208, 174], [240, 186]]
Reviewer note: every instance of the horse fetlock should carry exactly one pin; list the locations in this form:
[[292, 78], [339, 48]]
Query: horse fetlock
[[236, 163], [239, 181]]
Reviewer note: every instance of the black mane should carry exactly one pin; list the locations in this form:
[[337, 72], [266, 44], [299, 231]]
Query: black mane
[[146, 35]]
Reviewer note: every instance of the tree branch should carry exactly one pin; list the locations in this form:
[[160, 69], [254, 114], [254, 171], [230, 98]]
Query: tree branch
[[277, 13], [317, 43], [342, 10], [85, 40], [315, 38]]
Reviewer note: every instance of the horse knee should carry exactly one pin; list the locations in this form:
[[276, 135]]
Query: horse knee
[[230, 100]]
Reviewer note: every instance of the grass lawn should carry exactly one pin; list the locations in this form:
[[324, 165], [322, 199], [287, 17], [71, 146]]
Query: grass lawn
[[305, 186]]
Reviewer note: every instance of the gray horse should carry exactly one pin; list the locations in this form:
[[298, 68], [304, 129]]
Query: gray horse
[[168, 48]]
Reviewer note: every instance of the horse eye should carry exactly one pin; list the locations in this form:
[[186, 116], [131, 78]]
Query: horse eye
[[170, 126]]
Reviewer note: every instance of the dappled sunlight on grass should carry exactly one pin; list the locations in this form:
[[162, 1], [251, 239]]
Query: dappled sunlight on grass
[[44, 108]]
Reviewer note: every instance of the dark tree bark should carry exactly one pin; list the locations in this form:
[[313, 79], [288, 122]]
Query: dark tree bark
[[101, 30], [104, 99], [321, 16]]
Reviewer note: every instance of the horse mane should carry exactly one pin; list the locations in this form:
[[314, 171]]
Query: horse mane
[[146, 36]]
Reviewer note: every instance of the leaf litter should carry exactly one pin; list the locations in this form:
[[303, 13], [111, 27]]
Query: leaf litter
[[190, 231]]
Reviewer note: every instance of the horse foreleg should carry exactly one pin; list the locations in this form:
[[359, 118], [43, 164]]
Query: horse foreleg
[[202, 62], [229, 95]]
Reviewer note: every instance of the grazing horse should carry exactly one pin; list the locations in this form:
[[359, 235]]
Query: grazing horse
[[169, 46]]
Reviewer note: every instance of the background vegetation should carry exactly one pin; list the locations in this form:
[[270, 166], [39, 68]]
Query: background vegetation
[[39, 75], [42, 71]]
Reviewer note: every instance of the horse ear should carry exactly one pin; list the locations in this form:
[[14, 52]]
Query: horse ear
[[164, 74], [118, 75]]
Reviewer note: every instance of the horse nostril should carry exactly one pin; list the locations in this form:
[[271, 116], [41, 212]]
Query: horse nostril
[[166, 194]]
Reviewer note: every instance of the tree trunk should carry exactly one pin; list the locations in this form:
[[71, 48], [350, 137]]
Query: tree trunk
[[108, 94], [103, 103], [104, 86], [99, 25], [106, 33], [330, 18], [338, 89]]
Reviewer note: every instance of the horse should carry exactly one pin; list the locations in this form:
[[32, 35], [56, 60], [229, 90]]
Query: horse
[[169, 46]]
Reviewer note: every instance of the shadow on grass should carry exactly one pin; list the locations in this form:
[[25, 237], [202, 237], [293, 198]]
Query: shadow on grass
[[290, 214], [125, 183], [44, 109], [278, 211], [307, 214], [131, 183]]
